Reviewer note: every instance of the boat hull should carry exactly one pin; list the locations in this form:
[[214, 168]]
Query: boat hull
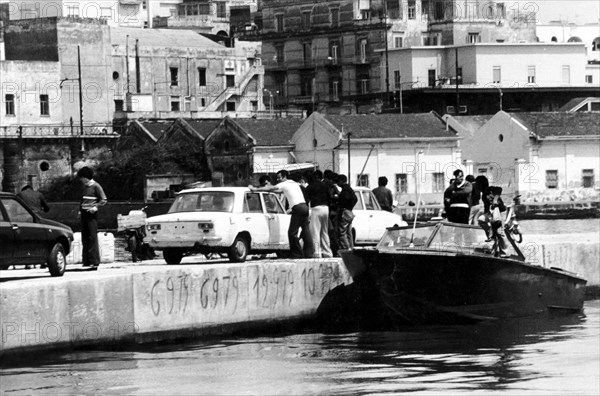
[[425, 288]]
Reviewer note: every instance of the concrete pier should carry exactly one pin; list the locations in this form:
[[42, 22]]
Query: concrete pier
[[137, 303], [153, 301]]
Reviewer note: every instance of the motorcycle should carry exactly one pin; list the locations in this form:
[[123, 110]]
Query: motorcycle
[[133, 226]]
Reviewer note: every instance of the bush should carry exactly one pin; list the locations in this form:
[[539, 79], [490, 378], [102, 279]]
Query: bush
[[122, 176]]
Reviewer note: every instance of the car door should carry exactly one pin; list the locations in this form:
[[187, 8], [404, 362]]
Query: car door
[[30, 237], [256, 221], [279, 222], [7, 240], [378, 219], [360, 224]]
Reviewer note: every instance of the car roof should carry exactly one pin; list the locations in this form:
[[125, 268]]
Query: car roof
[[217, 189]]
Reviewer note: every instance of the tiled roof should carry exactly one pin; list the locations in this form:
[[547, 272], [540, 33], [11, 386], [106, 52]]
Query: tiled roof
[[168, 38], [276, 132], [425, 125], [560, 124], [573, 103], [203, 127], [156, 128], [472, 123]]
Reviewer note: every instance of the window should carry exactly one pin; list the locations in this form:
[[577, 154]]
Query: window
[[17, 212], [363, 85], [334, 15], [431, 77], [201, 77], [401, 183], [362, 180], [252, 203], [394, 10], [531, 74], [279, 23], [73, 11], [279, 53], [596, 44], [9, 101], [306, 20], [230, 81], [174, 76], [307, 53], [335, 89], [175, 103], [334, 52], [412, 11], [439, 10], [473, 38], [119, 104], [306, 84], [398, 42], [587, 176], [273, 204], [363, 50], [44, 105], [397, 79], [438, 182], [566, 74], [589, 79], [551, 179], [221, 9], [497, 75], [230, 106], [500, 11]]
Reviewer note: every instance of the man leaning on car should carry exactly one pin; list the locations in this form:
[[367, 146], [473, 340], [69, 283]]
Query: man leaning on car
[[293, 193]]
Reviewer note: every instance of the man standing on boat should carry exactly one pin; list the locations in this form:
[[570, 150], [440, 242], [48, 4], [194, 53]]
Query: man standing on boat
[[457, 199]]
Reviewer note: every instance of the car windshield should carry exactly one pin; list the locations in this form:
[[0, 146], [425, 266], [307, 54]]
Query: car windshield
[[205, 201], [397, 238]]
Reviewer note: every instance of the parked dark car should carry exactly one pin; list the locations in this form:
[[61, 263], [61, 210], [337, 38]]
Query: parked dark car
[[26, 238]]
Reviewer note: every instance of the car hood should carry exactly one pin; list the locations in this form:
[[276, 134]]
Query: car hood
[[56, 224]]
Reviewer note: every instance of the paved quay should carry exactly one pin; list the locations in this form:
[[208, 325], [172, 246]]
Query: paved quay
[[152, 301]]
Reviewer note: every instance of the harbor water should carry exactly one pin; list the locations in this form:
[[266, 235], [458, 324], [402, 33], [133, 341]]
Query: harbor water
[[545, 355]]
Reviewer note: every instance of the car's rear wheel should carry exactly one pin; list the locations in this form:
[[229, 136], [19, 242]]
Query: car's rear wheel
[[239, 250], [57, 260], [173, 256]]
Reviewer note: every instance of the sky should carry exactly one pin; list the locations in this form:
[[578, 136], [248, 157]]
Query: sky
[[576, 11]]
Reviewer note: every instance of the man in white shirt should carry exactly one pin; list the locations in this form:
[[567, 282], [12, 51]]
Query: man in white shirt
[[299, 210]]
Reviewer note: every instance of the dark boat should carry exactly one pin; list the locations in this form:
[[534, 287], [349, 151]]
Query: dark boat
[[447, 273]]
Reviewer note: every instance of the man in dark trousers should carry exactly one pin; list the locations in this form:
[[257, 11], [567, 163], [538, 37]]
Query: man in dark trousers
[[384, 194], [457, 199], [92, 198], [330, 179], [295, 198], [346, 203], [34, 199]]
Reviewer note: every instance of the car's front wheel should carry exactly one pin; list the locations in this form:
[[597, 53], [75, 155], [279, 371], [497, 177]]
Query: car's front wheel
[[57, 260], [239, 250], [173, 256]]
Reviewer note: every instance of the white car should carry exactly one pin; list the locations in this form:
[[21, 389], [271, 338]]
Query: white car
[[370, 222], [231, 220]]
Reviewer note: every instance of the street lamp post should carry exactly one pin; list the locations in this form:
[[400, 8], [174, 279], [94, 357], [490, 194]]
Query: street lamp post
[[78, 79]]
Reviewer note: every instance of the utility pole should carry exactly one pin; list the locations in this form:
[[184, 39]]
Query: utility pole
[[80, 96], [387, 64], [456, 68]]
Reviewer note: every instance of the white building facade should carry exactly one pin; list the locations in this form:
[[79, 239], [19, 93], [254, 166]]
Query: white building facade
[[484, 65]]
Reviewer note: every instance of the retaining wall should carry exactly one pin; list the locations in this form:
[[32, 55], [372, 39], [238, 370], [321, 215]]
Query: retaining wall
[[138, 303]]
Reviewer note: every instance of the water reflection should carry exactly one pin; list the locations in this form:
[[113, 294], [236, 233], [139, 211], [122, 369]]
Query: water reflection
[[549, 355]]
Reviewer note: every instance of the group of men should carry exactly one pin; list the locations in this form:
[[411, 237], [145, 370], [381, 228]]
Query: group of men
[[320, 204], [462, 205]]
